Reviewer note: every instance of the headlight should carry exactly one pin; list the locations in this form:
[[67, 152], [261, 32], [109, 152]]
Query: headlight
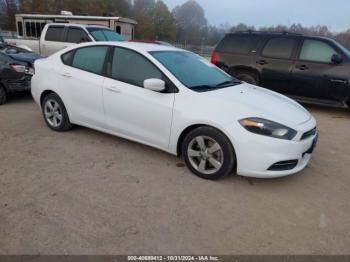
[[268, 128]]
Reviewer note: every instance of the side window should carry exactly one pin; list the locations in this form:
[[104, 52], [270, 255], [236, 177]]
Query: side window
[[67, 58], [90, 59], [54, 33], [132, 68], [317, 51], [76, 35], [20, 28], [238, 44], [118, 29], [28, 31], [279, 48]]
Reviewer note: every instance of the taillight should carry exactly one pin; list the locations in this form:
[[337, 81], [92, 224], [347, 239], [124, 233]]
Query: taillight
[[22, 69], [18, 68], [214, 57]]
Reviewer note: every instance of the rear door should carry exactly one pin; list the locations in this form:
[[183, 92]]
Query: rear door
[[315, 76], [53, 40], [275, 62], [82, 80]]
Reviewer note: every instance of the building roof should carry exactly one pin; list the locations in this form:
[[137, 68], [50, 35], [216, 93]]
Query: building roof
[[78, 17]]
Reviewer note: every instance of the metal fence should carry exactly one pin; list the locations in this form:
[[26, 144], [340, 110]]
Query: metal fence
[[203, 50]]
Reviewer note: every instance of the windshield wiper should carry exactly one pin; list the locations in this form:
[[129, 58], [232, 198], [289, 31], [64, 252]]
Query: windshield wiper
[[228, 83], [202, 87]]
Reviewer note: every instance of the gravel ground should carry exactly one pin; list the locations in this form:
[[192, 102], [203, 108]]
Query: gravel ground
[[84, 192]]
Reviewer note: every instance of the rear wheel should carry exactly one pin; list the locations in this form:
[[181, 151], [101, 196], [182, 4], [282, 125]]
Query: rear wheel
[[247, 76], [208, 153], [2, 95], [55, 113]]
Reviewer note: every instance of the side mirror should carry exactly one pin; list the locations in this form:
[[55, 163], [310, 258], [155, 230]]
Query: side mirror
[[154, 84], [337, 59]]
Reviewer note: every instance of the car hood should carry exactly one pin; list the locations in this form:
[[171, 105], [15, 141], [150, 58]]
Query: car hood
[[26, 57], [260, 102]]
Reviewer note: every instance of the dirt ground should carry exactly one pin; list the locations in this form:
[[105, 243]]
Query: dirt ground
[[84, 192]]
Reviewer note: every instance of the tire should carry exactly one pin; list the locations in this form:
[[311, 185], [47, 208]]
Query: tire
[[247, 76], [196, 151], [3, 95], [55, 113]]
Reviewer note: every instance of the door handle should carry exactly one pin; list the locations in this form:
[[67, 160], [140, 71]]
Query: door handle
[[113, 89], [66, 74], [261, 62], [302, 67]]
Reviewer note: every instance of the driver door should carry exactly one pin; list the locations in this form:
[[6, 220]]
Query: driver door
[[132, 111], [315, 76]]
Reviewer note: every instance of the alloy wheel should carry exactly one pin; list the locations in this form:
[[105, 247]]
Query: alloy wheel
[[53, 113], [205, 155]]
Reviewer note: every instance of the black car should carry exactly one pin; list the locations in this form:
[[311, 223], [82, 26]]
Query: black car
[[16, 70], [306, 68]]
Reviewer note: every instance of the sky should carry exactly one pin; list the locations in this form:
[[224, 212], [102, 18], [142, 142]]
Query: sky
[[332, 13]]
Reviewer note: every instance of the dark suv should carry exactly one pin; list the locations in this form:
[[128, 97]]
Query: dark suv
[[306, 68]]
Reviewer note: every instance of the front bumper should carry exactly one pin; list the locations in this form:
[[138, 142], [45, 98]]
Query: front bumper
[[257, 154]]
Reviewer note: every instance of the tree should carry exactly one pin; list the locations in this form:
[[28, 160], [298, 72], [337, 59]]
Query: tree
[[163, 22], [242, 27], [9, 8], [154, 20], [141, 12], [190, 22]]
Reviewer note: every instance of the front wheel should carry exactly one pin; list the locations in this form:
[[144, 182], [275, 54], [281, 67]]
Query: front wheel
[[55, 113], [208, 153]]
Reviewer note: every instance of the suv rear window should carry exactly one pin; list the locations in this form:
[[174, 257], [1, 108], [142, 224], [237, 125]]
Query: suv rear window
[[239, 44], [279, 48], [54, 33]]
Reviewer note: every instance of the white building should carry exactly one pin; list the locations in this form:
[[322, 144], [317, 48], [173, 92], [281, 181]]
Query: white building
[[29, 26]]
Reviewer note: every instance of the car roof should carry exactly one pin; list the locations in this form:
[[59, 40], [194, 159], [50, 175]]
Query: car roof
[[146, 47], [284, 33]]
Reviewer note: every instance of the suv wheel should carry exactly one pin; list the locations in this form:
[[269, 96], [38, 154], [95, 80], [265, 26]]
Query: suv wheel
[[247, 76], [2, 95], [55, 113], [208, 153]]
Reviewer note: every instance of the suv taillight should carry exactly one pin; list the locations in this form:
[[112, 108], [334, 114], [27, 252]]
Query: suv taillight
[[214, 57]]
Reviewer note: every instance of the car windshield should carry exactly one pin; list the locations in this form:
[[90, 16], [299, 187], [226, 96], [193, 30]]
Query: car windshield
[[193, 71], [101, 34]]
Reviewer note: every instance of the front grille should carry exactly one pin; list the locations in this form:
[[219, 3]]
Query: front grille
[[284, 165], [309, 134]]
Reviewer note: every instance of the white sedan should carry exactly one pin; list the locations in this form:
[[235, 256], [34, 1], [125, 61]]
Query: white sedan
[[176, 101]]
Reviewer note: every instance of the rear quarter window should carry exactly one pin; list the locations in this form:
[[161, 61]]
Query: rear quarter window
[[238, 44]]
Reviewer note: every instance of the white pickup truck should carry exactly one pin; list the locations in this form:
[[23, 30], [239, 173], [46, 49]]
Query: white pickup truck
[[57, 36]]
